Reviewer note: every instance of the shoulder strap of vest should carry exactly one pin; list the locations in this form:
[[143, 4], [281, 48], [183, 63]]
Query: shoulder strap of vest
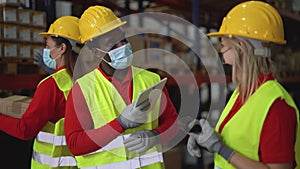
[[63, 81]]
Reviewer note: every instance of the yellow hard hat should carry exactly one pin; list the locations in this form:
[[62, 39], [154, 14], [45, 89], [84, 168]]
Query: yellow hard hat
[[253, 19], [96, 21], [65, 26]]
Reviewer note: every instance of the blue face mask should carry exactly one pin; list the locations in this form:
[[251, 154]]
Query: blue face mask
[[120, 57], [51, 63]]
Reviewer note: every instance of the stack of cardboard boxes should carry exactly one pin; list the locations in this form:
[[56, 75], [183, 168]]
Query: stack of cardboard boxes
[[14, 106], [19, 33]]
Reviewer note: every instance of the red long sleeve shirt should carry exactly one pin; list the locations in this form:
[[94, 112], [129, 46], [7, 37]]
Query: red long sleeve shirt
[[80, 135], [48, 104], [278, 134]]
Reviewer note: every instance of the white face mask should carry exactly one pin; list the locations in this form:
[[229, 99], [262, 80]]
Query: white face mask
[[51, 63], [120, 57]]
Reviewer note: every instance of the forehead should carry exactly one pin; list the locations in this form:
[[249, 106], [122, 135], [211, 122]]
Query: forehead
[[50, 41], [108, 40]]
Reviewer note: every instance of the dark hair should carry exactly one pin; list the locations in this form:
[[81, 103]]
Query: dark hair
[[70, 55]]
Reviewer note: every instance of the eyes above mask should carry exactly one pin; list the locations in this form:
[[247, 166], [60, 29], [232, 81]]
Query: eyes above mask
[[120, 57]]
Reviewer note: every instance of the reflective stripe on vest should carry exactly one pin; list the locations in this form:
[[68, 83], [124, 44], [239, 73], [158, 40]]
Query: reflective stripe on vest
[[54, 161], [50, 149], [51, 138], [115, 143], [95, 87], [137, 162], [234, 131]]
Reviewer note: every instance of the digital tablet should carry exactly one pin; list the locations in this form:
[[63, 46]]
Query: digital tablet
[[143, 98]]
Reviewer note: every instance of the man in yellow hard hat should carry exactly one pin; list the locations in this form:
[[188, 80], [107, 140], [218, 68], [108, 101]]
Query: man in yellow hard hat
[[103, 127], [259, 127]]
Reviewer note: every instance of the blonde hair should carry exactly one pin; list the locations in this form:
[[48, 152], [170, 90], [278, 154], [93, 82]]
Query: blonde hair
[[247, 67]]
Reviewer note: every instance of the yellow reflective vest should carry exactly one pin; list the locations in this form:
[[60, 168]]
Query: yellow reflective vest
[[50, 150], [105, 104], [242, 132]]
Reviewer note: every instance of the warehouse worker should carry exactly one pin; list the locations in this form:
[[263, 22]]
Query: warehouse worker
[[100, 116], [44, 116], [259, 127]]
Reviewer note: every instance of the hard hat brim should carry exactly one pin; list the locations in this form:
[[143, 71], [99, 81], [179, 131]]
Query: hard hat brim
[[215, 34], [102, 32], [218, 34], [44, 34]]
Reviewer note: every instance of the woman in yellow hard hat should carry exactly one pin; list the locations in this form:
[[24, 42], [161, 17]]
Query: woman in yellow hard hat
[[101, 114], [44, 117], [259, 127]]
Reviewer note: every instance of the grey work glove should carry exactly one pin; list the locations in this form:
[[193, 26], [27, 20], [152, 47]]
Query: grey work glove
[[132, 117], [193, 147], [38, 60], [141, 141], [211, 140]]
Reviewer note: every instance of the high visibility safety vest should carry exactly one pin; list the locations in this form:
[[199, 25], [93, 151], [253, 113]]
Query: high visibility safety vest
[[243, 131], [50, 150], [105, 104]]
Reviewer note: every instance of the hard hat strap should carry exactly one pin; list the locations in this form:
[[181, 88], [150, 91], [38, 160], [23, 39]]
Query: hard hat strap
[[265, 52], [100, 50], [259, 48]]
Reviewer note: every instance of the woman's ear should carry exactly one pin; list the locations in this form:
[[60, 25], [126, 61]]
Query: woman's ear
[[63, 47]]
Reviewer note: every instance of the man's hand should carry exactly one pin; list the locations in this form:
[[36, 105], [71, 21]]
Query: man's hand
[[193, 148], [141, 141], [132, 117], [38, 60], [211, 140]]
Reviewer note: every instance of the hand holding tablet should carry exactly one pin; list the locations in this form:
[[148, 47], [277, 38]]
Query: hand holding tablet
[[150, 95]]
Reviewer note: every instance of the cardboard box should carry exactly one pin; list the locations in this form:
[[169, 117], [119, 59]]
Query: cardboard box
[[24, 33], [8, 14], [35, 35], [10, 31], [24, 16], [24, 51], [10, 50], [38, 18], [15, 105], [10, 2]]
